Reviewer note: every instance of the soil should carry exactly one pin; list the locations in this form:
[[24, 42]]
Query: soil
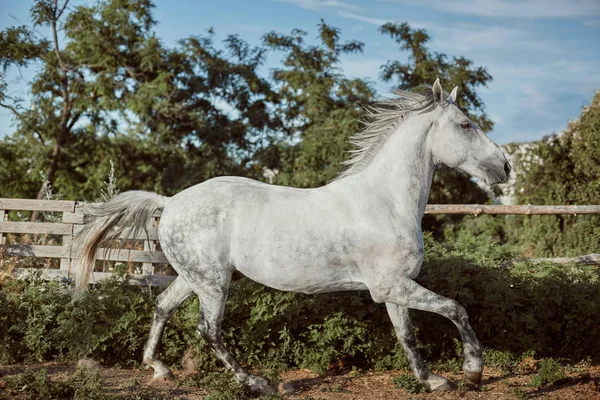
[[580, 383]]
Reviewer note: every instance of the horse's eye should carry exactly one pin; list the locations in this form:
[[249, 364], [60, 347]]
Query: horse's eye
[[466, 125]]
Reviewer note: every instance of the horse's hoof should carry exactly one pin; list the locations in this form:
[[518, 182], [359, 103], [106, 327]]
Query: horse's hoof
[[285, 388], [438, 383], [260, 385], [474, 378]]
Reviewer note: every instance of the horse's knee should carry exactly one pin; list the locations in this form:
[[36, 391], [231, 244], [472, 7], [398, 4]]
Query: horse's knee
[[458, 313]]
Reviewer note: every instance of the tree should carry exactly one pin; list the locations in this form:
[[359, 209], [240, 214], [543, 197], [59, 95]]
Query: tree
[[423, 67], [560, 169], [319, 106], [110, 90], [55, 114]]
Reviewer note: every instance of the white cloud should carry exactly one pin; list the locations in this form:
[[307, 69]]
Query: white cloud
[[322, 4], [513, 9], [362, 18], [562, 75], [469, 37], [461, 38], [528, 101], [381, 21]]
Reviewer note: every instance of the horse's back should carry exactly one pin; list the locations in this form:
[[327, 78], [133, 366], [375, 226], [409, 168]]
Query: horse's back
[[261, 230]]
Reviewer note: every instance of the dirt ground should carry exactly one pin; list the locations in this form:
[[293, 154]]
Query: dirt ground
[[582, 382]]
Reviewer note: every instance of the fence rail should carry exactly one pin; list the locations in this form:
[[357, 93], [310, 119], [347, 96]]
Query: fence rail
[[71, 214], [71, 222]]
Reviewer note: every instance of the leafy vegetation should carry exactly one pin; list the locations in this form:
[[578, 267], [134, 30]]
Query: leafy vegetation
[[174, 117], [513, 309], [550, 371], [80, 386], [410, 384], [560, 169]]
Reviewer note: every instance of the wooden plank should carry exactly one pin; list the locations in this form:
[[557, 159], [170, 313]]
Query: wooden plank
[[124, 255], [152, 233], [29, 250], [137, 279], [65, 263], [588, 259], [49, 228], [33, 250], [2, 214], [134, 279], [2, 239], [37, 205], [73, 217], [157, 213], [46, 274], [148, 268], [477, 209]]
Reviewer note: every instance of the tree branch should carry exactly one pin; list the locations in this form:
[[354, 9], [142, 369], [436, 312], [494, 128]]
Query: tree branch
[[62, 10], [55, 36], [74, 120], [24, 121]]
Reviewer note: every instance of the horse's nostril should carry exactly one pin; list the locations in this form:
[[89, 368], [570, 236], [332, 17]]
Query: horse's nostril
[[507, 168]]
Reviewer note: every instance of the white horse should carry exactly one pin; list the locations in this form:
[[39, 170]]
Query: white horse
[[360, 232]]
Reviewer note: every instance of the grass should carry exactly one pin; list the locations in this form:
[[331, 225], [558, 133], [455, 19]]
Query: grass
[[410, 384], [550, 371]]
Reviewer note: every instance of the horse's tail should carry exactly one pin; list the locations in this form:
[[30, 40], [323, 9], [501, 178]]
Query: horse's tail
[[106, 222]]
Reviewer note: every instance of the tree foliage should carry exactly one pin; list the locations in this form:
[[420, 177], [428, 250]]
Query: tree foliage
[[541, 307], [424, 66], [561, 169], [319, 106], [109, 89]]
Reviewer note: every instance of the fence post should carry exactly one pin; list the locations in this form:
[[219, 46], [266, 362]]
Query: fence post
[[2, 214], [68, 217], [2, 239], [77, 219], [149, 245]]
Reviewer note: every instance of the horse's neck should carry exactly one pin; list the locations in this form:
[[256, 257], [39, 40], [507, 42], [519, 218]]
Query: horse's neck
[[402, 170]]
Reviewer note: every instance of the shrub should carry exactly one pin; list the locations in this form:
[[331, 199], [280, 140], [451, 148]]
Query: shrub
[[79, 386], [410, 384], [550, 371], [513, 308]]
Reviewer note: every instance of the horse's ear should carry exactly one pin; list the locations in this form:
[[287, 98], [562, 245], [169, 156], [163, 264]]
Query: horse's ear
[[453, 93], [438, 92]]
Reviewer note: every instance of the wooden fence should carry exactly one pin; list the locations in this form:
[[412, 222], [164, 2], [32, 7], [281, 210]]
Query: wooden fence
[[70, 214]]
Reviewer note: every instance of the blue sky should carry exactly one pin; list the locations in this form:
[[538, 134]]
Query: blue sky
[[544, 55]]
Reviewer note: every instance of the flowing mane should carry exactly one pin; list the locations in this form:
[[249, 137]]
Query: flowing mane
[[381, 121]]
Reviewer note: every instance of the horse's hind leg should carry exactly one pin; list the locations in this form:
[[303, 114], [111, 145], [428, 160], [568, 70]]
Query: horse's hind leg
[[407, 293], [406, 335], [212, 297], [166, 304]]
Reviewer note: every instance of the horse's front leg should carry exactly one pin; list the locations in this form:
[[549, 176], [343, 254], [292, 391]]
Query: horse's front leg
[[406, 335], [407, 293]]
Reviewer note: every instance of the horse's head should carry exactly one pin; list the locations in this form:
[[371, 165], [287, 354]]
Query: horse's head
[[459, 143]]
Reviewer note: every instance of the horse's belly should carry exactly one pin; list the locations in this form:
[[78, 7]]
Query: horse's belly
[[302, 274]]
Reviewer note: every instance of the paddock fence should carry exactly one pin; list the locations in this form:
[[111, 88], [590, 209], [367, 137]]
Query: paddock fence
[[51, 239]]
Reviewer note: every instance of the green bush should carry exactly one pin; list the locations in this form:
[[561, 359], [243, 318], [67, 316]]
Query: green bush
[[410, 384], [513, 308], [81, 385], [550, 371]]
